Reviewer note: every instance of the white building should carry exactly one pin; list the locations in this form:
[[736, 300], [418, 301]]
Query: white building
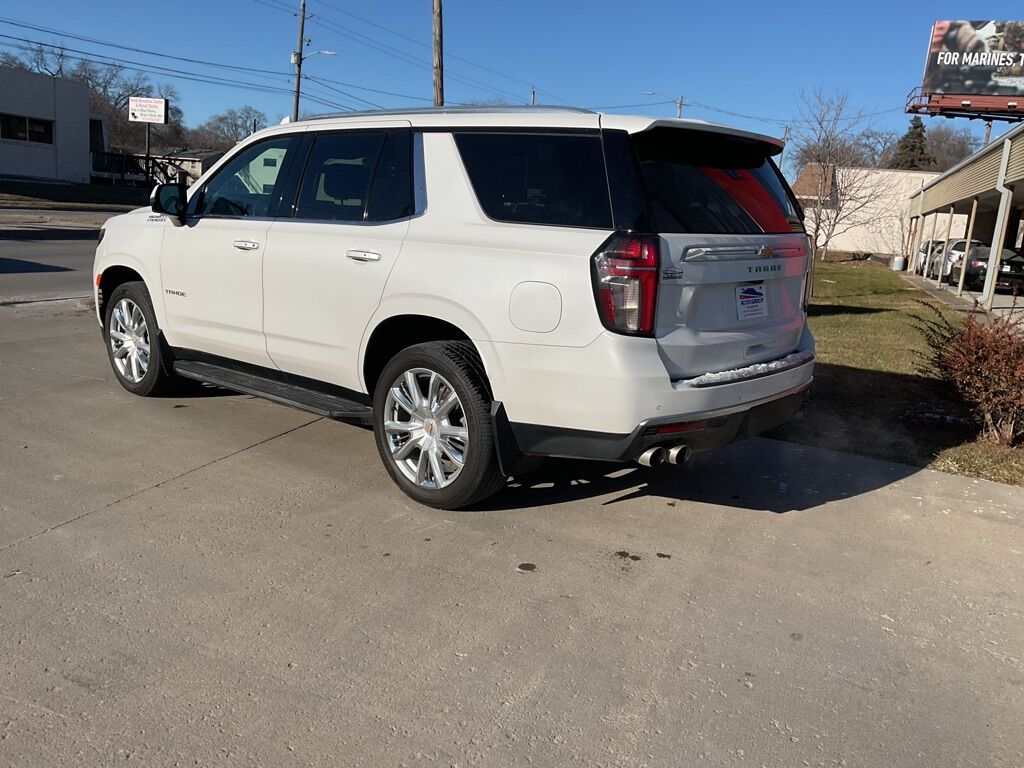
[[870, 207], [44, 127]]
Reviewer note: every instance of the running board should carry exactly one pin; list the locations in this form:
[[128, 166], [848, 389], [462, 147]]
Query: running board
[[321, 403]]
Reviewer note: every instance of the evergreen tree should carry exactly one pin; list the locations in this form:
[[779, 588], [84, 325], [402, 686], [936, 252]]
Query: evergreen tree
[[911, 151]]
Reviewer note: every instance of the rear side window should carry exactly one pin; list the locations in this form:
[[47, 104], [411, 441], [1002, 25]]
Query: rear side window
[[705, 183], [336, 182], [357, 176], [529, 178]]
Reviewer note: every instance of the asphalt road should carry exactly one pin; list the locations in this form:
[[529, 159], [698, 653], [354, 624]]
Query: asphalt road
[[44, 261], [218, 580]]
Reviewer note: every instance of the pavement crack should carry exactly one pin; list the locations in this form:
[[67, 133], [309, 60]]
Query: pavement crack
[[138, 491]]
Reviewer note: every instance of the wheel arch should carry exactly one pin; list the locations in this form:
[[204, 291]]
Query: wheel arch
[[393, 333], [109, 279]]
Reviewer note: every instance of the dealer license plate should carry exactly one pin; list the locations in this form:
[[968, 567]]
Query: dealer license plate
[[751, 301]]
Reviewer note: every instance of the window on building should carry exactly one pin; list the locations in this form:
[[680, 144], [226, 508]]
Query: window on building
[[20, 128], [40, 131], [13, 127]]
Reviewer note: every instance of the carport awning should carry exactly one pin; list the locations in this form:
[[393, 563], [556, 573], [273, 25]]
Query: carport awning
[[973, 177]]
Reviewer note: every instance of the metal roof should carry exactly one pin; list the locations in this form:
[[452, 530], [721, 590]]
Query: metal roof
[[971, 176]]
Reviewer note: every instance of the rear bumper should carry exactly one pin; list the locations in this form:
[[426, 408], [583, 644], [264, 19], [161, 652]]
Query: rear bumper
[[700, 432], [1009, 281], [619, 382]]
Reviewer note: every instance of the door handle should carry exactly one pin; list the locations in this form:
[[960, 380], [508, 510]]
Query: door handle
[[363, 255], [246, 245]]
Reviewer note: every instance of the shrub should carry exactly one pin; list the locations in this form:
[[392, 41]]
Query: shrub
[[983, 360]]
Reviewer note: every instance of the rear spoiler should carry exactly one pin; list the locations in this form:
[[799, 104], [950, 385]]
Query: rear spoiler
[[636, 124]]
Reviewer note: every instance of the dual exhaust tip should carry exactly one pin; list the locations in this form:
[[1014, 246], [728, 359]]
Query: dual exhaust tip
[[658, 455]]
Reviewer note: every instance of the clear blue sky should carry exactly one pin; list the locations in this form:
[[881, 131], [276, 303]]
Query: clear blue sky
[[745, 57]]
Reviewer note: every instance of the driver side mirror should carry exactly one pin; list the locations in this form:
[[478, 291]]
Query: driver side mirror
[[170, 200]]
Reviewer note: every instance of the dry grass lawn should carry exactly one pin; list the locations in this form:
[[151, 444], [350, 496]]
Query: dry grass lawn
[[870, 395]]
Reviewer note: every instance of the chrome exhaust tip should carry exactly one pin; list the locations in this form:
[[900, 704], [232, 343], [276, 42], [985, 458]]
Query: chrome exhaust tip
[[678, 454], [652, 457]]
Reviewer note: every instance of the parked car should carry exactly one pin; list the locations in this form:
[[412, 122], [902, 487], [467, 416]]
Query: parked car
[[952, 254], [482, 286], [928, 247], [1011, 269]]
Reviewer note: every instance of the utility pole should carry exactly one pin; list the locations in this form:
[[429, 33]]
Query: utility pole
[[533, 96], [988, 132], [785, 140], [677, 99], [438, 56], [297, 59]]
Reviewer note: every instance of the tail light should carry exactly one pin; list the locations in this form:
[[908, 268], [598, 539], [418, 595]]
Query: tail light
[[625, 274]]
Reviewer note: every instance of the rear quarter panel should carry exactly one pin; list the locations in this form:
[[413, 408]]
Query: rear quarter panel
[[462, 267]]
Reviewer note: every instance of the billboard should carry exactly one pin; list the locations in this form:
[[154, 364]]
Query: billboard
[[146, 110], [982, 58]]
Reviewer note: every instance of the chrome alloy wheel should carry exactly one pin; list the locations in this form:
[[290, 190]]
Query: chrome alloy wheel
[[129, 340], [425, 427]]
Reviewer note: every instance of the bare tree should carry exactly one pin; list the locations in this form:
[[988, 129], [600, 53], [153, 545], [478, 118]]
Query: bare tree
[[48, 60], [226, 129], [876, 146], [949, 144], [838, 191]]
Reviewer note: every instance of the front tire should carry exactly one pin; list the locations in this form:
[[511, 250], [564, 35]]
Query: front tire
[[432, 425], [132, 338]]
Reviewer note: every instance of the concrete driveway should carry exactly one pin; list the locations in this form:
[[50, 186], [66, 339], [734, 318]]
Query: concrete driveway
[[218, 580]]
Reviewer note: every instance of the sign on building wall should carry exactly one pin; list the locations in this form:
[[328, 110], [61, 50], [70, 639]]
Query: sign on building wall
[[145, 110], [976, 57]]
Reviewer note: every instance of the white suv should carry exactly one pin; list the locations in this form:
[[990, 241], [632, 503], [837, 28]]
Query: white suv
[[484, 286]]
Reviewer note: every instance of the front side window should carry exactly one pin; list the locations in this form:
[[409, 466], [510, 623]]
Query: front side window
[[362, 176], [538, 178], [248, 185]]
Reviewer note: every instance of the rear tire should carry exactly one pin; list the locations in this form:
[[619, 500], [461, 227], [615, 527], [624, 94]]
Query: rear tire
[[432, 425]]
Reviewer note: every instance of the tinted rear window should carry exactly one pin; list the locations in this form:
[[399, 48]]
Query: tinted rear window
[[538, 178], [699, 182]]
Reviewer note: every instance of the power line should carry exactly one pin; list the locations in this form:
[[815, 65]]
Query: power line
[[397, 53], [334, 27], [201, 62], [631, 106], [107, 44], [470, 62], [329, 87], [422, 64], [779, 120], [152, 69], [789, 120]]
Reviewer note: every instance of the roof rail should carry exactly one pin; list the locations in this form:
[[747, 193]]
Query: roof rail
[[450, 110]]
